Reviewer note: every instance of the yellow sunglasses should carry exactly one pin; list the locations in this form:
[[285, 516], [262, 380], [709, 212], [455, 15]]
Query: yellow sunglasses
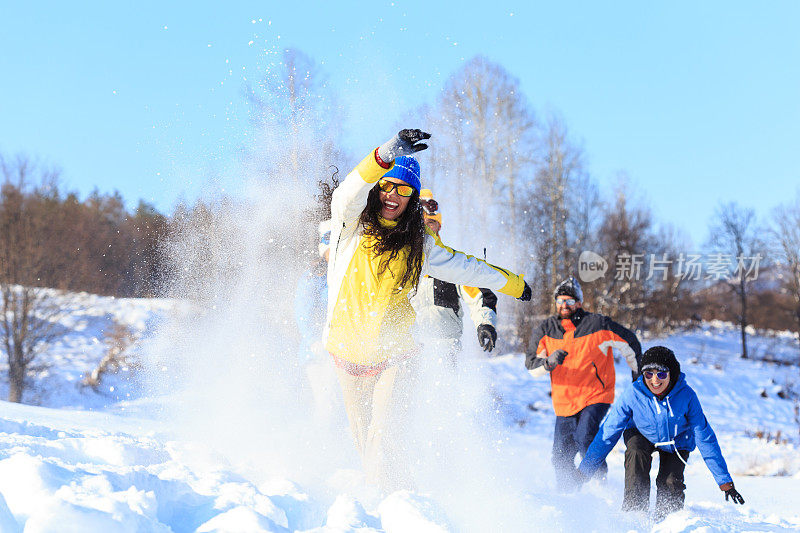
[[402, 189]]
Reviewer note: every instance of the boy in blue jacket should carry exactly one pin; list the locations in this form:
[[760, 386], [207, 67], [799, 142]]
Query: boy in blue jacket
[[658, 412]]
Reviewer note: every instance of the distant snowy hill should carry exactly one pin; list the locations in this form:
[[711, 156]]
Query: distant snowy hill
[[119, 459]]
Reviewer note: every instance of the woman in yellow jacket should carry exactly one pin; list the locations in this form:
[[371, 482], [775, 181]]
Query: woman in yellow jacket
[[379, 249]]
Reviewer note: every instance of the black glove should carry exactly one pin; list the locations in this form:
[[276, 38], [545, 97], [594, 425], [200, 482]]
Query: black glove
[[526, 293], [487, 336], [734, 495], [430, 206], [406, 142], [554, 359]]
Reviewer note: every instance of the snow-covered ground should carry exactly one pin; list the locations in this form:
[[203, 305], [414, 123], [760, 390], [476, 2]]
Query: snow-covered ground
[[121, 459]]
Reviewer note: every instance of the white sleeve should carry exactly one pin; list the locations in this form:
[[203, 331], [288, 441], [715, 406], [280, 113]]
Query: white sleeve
[[623, 348], [479, 310], [447, 264], [349, 199]]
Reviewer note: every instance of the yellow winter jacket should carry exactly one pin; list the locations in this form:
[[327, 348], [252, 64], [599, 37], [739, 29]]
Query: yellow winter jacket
[[372, 316]]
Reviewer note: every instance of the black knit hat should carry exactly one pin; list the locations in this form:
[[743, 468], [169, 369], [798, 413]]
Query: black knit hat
[[660, 357], [569, 287]]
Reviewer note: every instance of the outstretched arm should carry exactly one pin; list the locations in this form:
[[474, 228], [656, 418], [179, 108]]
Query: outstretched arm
[[610, 430], [534, 361], [707, 443], [447, 264], [350, 198], [625, 341]]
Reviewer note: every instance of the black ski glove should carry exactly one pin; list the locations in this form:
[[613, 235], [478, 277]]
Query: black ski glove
[[487, 336], [406, 142], [554, 359], [526, 293], [430, 206], [733, 494]]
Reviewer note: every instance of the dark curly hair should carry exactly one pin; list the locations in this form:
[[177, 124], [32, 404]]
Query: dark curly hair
[[408, 232], [325, 195]]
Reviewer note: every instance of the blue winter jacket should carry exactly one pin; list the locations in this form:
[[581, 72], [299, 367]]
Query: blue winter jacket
[[674, 423]]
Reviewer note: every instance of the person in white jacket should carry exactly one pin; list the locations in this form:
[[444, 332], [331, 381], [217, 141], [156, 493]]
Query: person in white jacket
[[380, 248], [439, 323]]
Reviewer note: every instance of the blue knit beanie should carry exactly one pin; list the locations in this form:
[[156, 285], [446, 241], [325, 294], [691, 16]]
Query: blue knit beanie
[[406, 169]]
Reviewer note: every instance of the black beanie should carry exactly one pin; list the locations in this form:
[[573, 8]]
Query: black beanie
[[569, 287], [663, 357]]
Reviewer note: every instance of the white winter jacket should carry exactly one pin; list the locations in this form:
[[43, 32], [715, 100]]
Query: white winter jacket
[[440, 314]]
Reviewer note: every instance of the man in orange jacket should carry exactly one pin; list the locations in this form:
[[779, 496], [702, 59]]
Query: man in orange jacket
[[576, 349]]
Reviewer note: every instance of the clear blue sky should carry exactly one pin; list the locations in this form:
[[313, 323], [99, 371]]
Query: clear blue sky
[[696, 101]]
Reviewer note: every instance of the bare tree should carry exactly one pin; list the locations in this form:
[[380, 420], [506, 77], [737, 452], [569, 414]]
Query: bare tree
[[669, 282], [118, 339], [484, 164], [297, 119], [643, 286], [486, 134], [786, 238], [734, 234], [625, 238], [564, 210], [30, 310]]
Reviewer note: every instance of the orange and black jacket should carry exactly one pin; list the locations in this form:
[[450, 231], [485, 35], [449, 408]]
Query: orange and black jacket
[[587, 374]]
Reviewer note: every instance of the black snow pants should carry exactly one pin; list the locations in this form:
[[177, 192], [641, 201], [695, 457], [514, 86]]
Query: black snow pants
[[669, 481], [573, 435]]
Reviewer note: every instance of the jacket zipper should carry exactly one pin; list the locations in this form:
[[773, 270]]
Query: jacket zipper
[[597, 375]]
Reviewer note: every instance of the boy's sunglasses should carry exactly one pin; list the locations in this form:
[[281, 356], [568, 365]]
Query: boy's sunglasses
[[659, 375], [402, 189], [568, 301]]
